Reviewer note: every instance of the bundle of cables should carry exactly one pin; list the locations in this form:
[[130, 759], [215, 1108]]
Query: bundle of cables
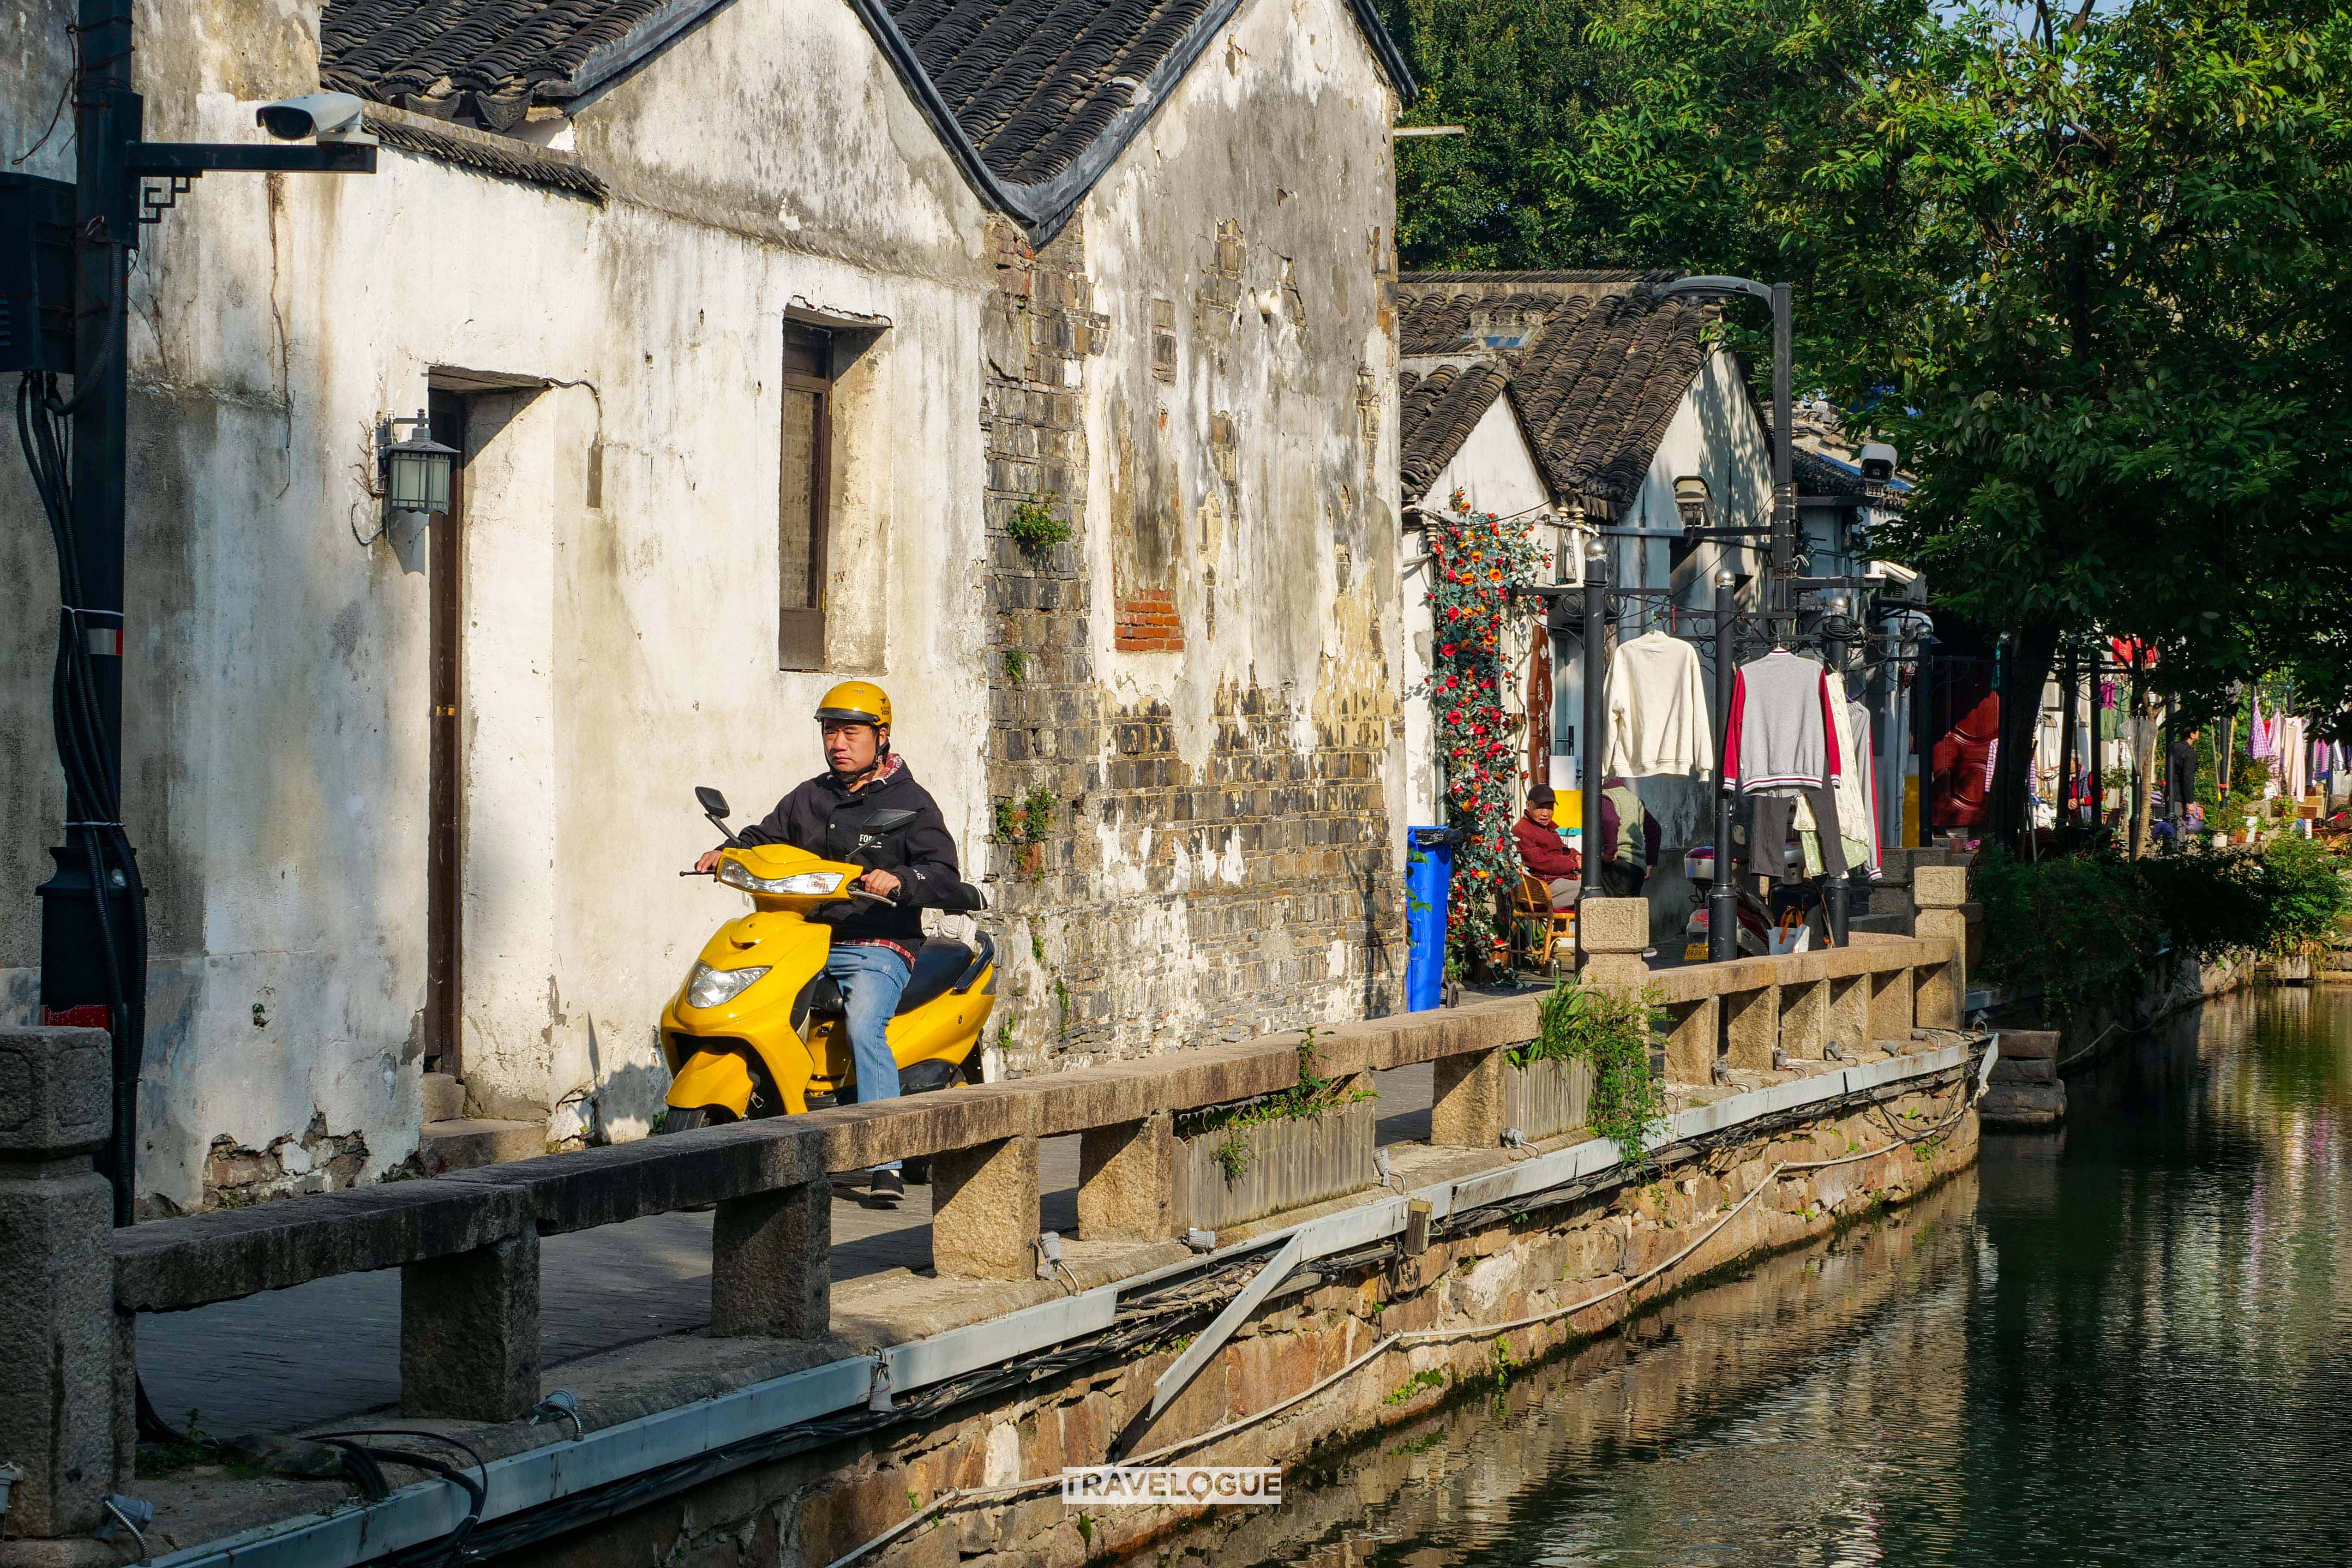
[[87, 753], [86, 749]]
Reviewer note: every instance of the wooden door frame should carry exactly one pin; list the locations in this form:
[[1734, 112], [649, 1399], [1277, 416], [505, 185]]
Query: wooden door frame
[[446, 800]]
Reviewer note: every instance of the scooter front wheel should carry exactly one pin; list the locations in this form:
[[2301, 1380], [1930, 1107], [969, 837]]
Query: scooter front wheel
[[686, 1118]]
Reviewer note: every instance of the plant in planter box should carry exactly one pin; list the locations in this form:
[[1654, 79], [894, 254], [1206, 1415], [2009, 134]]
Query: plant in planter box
[[1610, 1032], [1310, 1096]]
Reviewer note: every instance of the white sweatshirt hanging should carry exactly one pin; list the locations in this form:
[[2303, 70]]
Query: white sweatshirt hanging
[[1657, 710]]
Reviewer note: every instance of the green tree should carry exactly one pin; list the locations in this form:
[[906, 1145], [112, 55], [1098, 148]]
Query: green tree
[[2126, 241], [2088, 271], [1518, 75]]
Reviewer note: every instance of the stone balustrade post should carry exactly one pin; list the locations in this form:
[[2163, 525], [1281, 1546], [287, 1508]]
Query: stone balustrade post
[[1126, 1180], [1938, 990], [771, 1262], [469, 1332], [1613, 932], [1470, 1097], [984, 1210], [65, 1406], [1751, 1027]]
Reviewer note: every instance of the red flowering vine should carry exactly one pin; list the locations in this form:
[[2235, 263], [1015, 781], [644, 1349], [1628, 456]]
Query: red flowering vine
[[1475, 560]]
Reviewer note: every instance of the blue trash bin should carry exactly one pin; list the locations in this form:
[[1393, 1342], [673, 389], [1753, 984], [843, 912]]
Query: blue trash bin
[[1428, 882]]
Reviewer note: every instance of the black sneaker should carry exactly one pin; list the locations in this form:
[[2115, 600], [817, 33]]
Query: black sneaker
[[886, 1184]]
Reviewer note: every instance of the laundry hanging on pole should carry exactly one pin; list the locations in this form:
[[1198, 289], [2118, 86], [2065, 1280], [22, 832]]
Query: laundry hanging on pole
[[1658, 721], [1779, 731]]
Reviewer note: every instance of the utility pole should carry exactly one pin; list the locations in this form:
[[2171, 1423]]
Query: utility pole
[[1723, 893], [1596, 723], [1784, 455], [93, 921]]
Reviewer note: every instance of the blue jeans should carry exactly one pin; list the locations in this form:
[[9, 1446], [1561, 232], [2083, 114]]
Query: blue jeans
[[872, 980]]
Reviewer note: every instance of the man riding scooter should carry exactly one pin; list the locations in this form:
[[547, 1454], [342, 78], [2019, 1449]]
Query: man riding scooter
[[874, 944]]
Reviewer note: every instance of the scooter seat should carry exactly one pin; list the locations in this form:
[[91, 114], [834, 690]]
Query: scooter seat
[[939, 964]]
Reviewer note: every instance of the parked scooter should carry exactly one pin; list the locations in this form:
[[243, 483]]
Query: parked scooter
[[757, 1030]]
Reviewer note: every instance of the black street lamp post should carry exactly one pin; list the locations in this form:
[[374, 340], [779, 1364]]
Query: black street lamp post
[[93, 921]]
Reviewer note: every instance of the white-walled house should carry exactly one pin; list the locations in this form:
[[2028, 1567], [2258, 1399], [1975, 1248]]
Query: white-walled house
[[1577, 398], [756, 323]]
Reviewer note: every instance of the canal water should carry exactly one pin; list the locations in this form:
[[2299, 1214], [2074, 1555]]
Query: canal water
[[2127, 1344]]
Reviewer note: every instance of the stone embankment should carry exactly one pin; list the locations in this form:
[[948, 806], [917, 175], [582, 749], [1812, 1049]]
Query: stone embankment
[[936, 1409]]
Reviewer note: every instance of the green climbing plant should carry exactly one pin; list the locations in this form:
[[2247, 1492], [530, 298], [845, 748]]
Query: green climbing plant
[[1610, 1032]]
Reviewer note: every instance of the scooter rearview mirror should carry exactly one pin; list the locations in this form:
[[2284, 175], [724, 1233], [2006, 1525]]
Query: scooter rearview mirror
[[714, 807], [884, 823]]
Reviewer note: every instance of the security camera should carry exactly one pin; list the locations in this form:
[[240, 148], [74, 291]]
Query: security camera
[[320, 116], [1877, 462], [1693, 502]]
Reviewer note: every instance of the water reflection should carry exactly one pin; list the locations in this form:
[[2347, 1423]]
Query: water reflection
[[2129, 1345]]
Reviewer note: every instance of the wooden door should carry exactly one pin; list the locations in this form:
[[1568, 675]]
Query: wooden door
[[444, 1028]]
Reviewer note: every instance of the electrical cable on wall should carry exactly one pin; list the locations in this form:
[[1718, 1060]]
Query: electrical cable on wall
[[91, 769]]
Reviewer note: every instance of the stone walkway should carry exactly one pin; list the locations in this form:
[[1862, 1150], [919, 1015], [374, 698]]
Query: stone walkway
[[287, 1359]]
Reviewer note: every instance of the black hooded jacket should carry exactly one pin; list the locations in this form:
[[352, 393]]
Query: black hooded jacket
[[824, 817]]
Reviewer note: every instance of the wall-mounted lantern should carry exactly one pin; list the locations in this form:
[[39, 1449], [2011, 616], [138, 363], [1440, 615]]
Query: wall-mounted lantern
[[1693, 502], [415, 472]]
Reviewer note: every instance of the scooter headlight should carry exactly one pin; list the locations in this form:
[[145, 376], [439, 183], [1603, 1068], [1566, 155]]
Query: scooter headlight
[[735, 874], [708, 987]]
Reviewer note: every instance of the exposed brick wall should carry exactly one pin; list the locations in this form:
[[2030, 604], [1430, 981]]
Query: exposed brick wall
[[1170, 903], [1148, 623]]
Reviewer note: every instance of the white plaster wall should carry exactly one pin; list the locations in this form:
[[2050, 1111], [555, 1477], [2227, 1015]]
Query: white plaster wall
[[1284, 578], [618, 653], [1713, 434]]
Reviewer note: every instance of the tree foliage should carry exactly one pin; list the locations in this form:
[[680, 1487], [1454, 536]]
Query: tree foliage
[[2091, 272]]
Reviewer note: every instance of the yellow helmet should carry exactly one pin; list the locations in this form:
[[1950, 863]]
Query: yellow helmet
[[856, 702]]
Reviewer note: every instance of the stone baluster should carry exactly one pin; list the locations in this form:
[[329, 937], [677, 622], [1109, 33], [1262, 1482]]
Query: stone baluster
[[1470, 1097], [771, 1262], [1126, 1180], [64, 1370], [469, 1332], [1938, 990], [984, 1210]]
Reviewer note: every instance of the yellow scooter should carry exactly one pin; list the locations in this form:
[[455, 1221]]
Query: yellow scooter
[[757, 1028]]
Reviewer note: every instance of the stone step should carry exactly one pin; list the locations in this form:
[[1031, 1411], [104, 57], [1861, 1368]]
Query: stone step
[[2029, 1045], [2023, 1107], [2024, 1069], [444, 1097], [462, 1144]]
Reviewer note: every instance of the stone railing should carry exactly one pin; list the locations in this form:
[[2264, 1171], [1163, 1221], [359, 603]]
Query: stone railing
[[468, 1244]]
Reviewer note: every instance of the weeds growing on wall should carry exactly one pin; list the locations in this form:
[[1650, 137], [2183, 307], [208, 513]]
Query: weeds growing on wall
[[1033, 527], [1475, 560], [1016, 665], [1023, 818], [1312, 1094], [2090, 932], [1610, 1031]]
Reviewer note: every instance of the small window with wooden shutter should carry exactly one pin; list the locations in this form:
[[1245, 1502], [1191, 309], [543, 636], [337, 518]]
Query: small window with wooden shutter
[[804, 507]]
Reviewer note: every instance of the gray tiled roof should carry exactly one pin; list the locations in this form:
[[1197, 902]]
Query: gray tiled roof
[[1593, 363], [1436, 414], [1034, 97]]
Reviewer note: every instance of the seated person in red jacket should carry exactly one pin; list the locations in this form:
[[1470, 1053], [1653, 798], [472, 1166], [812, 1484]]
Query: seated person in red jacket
[[1542, 852]]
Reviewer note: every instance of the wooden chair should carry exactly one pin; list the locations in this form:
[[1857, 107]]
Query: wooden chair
[[1543, 937]]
